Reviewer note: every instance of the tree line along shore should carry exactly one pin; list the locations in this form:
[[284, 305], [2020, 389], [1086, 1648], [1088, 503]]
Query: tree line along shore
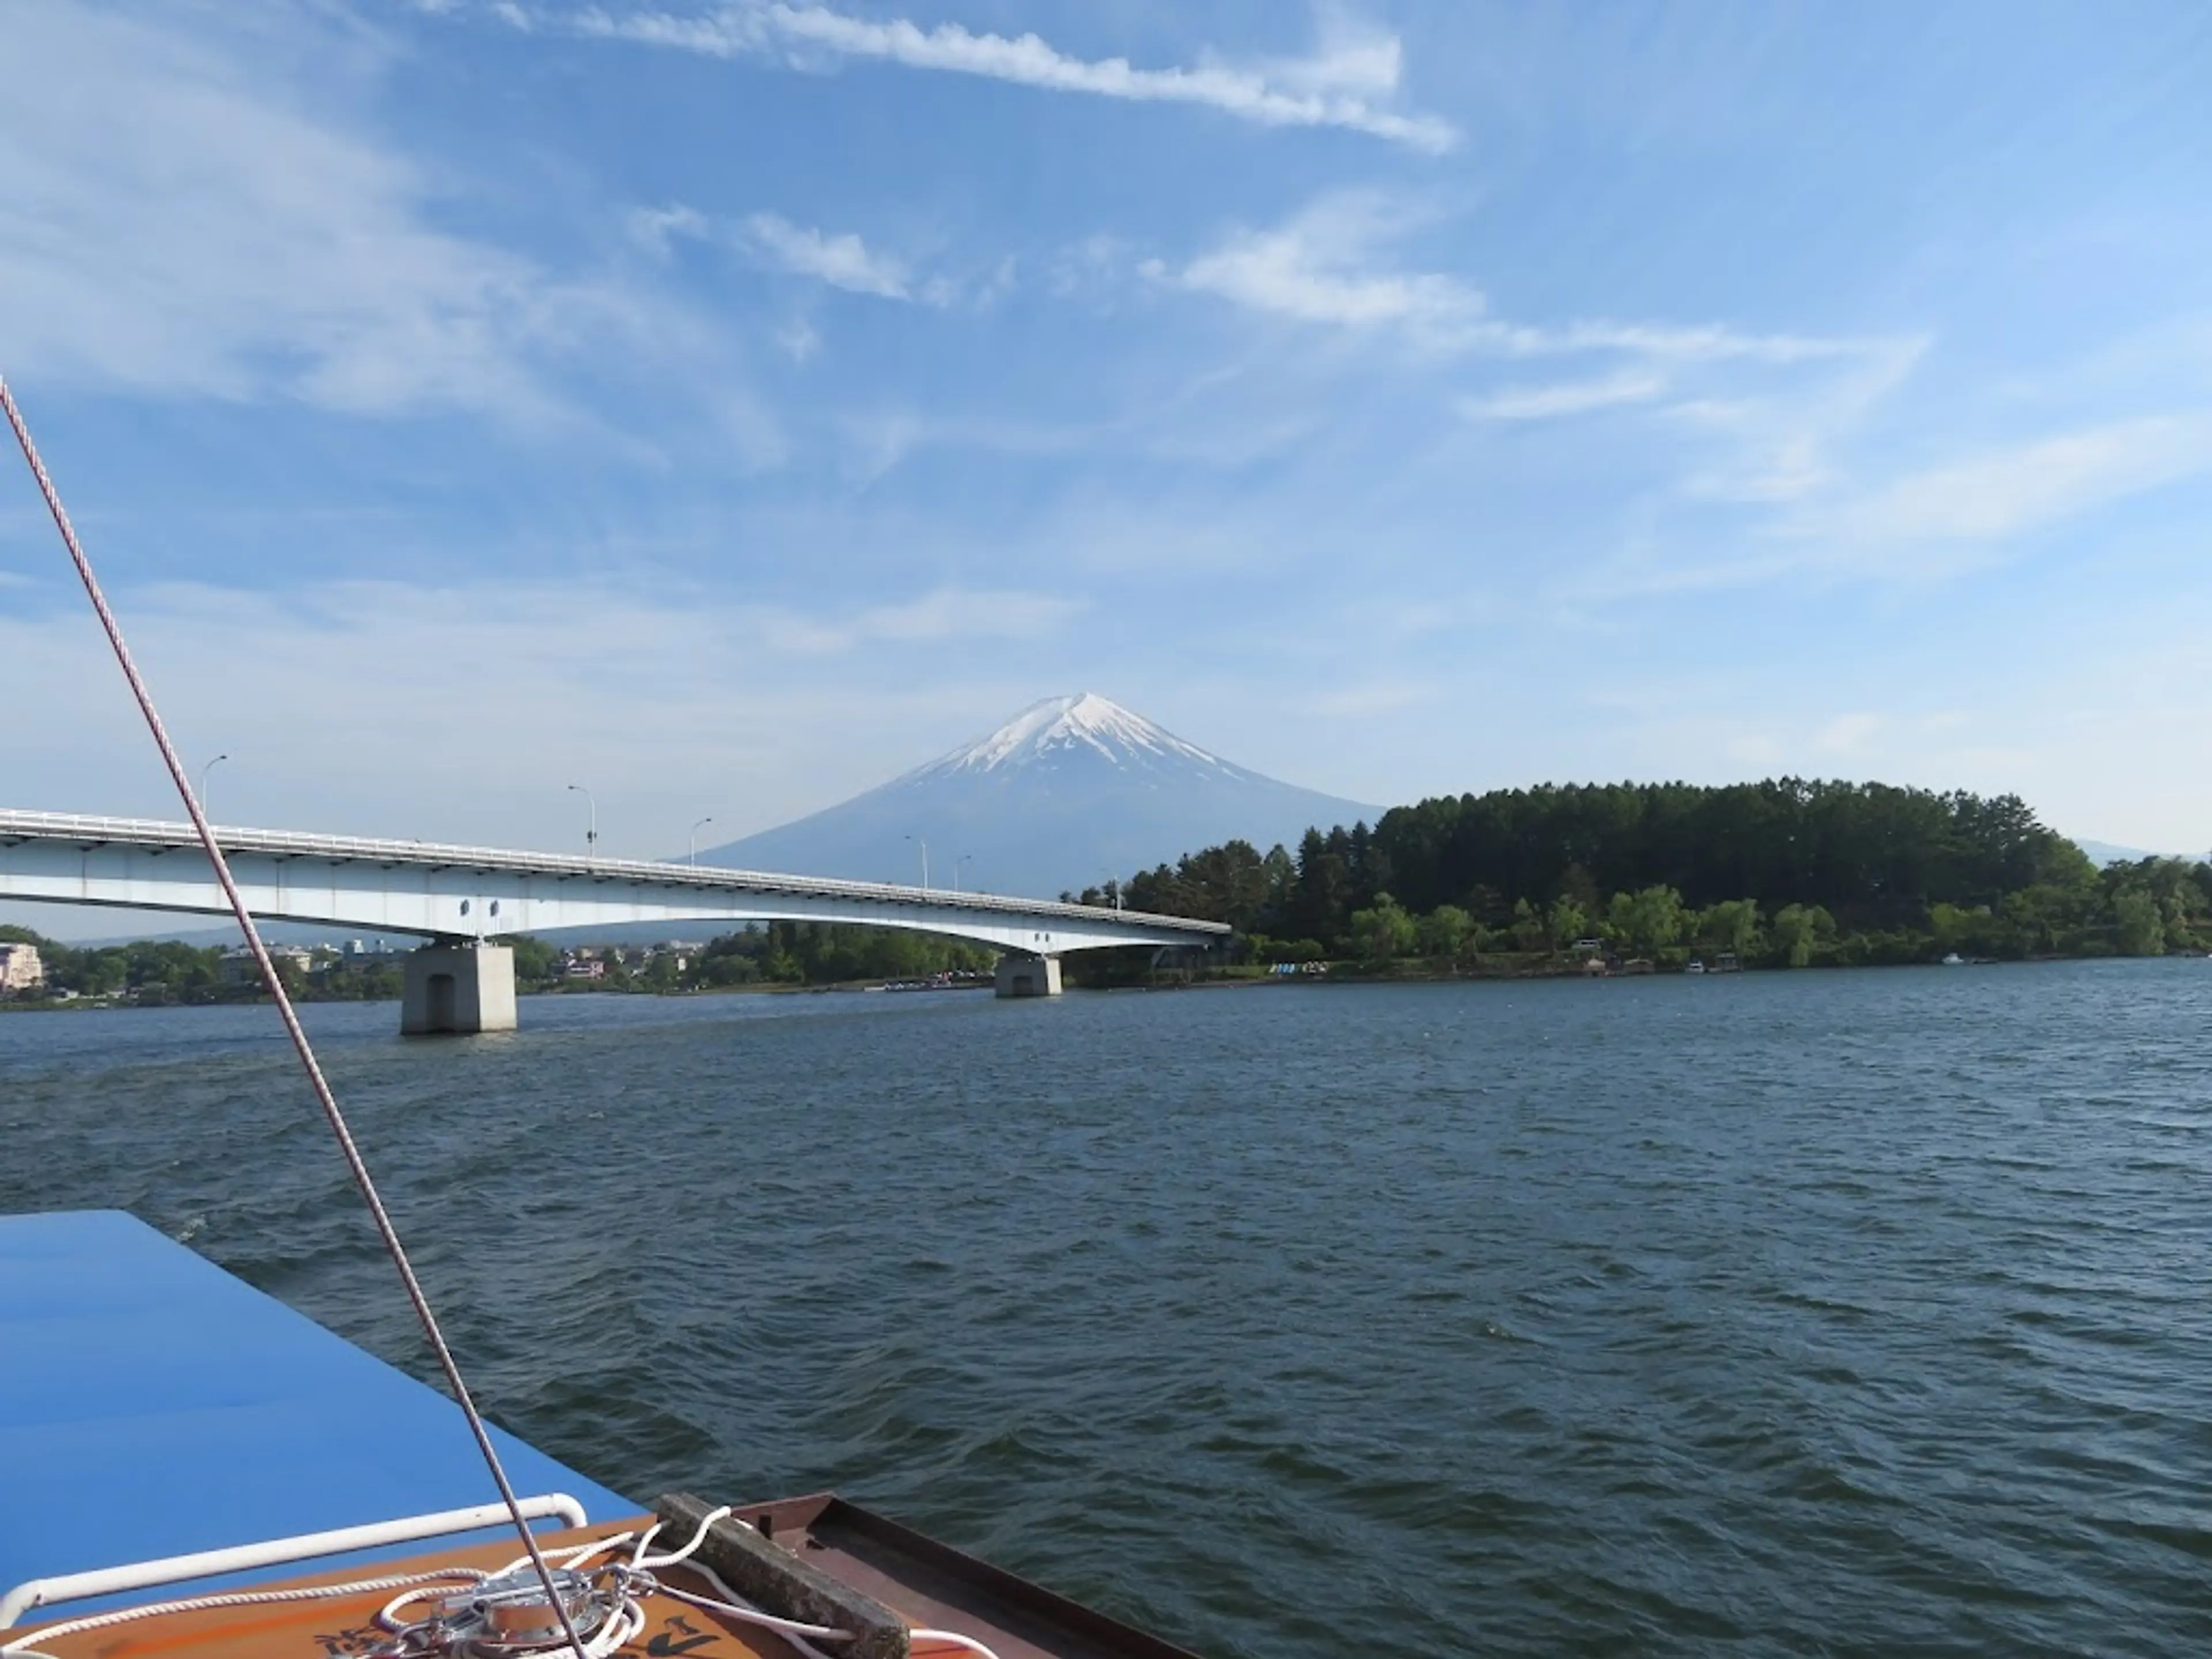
[[1785, 873]]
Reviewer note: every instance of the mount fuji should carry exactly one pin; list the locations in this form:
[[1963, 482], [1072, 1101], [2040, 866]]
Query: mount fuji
[[1071, 791]]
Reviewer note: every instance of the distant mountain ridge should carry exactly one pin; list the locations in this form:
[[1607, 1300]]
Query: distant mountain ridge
[[1071, 791], [2102, 853]]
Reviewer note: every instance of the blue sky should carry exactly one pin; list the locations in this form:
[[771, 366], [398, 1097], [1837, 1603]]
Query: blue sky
[[730, 407]]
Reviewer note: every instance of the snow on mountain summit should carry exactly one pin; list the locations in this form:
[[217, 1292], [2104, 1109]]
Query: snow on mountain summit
[[1058, 726]]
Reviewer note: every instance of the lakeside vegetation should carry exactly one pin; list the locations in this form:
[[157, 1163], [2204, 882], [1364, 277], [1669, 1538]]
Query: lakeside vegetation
[[781, 953], [165, 972], [1785, 873]]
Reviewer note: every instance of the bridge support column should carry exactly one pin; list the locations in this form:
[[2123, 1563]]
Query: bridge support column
[[1021, 974], [458, 989]]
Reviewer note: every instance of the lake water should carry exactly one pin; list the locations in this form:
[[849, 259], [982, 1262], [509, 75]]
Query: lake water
[[1783, 1314]]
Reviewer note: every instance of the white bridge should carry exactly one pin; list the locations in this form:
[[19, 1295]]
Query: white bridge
[[460, 896]]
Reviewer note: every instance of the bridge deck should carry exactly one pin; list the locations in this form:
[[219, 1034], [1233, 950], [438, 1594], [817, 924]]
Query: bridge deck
[[433, 888]]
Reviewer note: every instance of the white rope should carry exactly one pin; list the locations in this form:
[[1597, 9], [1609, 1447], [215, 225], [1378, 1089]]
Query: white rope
[[625, 1623], [953, 1637], [738, 1608], [22, 1648], [648, 1563]]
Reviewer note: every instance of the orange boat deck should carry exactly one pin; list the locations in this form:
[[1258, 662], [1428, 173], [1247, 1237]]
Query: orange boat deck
[[927, 1585], [346, 1626]]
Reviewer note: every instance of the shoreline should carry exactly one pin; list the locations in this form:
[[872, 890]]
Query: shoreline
[[1340, 974]]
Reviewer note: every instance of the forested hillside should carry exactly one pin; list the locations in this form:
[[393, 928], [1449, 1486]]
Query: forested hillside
[[1788, 870]]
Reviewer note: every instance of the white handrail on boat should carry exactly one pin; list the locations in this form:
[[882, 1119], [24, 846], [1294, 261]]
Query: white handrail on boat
[[240, 1557]]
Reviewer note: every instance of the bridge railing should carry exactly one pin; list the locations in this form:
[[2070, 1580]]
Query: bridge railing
[[92, 831]]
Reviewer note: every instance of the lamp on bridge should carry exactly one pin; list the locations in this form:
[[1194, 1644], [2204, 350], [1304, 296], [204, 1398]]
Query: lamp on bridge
[[591, 834], [206, 811], [924, 860], [695, 829]]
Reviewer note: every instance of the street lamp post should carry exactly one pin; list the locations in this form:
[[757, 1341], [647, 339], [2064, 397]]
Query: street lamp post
[[590, 835], [1112, 885], [206, 811], [924, 844], [957, 863], [695, 829]]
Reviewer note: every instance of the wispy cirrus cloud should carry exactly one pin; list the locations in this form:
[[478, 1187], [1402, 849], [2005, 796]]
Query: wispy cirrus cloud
[[1351, 81], [1541, 403], [839, 258], [2008, 490], [940, 617], [658, 229], [240, 230], [1930, 523], [1328, 265], [1336, 263], [842, 259]]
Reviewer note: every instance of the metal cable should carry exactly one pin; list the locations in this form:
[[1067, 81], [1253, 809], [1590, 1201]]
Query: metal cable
[[275, 983]]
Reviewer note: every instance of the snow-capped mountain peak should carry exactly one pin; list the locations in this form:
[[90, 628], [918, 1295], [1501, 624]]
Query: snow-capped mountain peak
[[1066, 728], [1070, 790]]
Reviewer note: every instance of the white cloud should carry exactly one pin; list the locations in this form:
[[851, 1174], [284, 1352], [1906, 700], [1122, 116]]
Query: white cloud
[[799, 339], [657, 229], [1332, 264], [1538, 403], [1780, 432], [209, 235], [943, 616], [1349, 83], [2004, 492], [220, 231], [1278, 272], [842, 259], [1322, 267], [1692, 344], [1846, 735]]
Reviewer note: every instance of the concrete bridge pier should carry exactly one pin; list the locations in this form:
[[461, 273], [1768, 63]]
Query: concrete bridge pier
[[457, 987], [1021, 974]]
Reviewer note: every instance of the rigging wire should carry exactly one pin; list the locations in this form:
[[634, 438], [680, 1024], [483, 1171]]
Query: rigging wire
[[275, 984]]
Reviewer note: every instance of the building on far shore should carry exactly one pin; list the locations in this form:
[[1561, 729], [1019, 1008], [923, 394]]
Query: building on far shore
[[21, 970], [239, 966]]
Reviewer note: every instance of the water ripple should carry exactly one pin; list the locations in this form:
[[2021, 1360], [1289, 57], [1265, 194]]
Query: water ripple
[[1834, 1314]]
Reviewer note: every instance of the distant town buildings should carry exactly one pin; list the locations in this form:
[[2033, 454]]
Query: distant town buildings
[[21, 970], [240, 967]]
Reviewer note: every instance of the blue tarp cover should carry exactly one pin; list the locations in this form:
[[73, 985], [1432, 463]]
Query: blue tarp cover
[[151, 1405]]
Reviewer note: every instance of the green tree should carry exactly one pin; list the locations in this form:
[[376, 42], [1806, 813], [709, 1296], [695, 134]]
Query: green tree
[[1567, 922], [536, 964], [1798, 930], [1528, 928], [1732, 926], [1444, 931], [1382, 932], [2142, 925], [1647, 921]]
